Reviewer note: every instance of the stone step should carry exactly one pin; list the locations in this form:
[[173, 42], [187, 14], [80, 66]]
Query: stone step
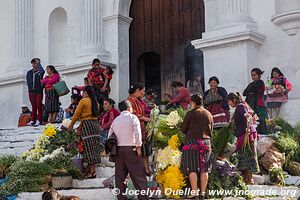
[[84, 194], [105, 172], [88, 183], [105, 162]]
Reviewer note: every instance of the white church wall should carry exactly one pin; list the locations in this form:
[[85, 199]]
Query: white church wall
[[5, 34], [279, 50]]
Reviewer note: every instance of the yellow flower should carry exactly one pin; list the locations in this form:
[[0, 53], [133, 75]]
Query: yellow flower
[[172, 178], [174, 142], [49, 130]]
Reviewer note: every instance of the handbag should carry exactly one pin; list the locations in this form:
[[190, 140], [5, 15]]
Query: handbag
[[61, 88]]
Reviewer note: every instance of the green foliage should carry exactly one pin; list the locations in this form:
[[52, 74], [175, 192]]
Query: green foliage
[[221, 140], [62, 139], [286, 127], [287, 144], [64, 162], [27, 176], [231, 183], [277, 176], [5, 162]]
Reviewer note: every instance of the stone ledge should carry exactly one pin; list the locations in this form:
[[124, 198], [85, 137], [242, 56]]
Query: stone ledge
[[88, 183], [228, 36]]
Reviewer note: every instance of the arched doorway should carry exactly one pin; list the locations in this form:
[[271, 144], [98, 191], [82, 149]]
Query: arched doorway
[[149, 71], [57, 37], [166, 27]]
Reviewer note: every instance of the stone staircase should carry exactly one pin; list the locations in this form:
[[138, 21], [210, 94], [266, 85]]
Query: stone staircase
[[16, 141]]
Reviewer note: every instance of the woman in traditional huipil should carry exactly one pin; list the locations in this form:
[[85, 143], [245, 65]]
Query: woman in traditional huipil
[[99, 79], [182, 97], [254, 97], [137, 92], [88, 132], [216, 104], [52, 98], [245, 122], [277, 92], [196, 158]]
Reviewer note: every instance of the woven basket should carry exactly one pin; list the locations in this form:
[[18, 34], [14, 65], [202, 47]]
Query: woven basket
[[62, 181]]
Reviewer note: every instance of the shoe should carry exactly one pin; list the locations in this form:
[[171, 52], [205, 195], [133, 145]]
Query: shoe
[[37, 123], [31, 123]]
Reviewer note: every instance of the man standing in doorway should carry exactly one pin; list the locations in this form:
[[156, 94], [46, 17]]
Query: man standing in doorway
[[35, 90], [129, 158]]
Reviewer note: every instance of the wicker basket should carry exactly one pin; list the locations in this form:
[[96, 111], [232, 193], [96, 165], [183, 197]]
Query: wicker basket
[[62, 181]]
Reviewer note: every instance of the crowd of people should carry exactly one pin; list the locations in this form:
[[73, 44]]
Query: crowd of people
[[102, 125]]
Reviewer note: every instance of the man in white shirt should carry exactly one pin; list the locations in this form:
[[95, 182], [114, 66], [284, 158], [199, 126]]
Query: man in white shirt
[[129, 156]]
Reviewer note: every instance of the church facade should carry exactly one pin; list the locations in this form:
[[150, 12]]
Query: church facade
[[232, 35]]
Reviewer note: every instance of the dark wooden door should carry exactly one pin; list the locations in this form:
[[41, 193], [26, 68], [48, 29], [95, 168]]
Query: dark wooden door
[[164, 28]]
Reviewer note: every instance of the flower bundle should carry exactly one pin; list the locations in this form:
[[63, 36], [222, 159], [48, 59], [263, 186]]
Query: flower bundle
[[173, 119], [168, 156], [169, 175], [171, 179], [39, 149], [50, 130], [54, 154]]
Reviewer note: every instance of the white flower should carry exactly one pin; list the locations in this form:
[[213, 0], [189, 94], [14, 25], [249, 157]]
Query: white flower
[[173, 119], [66, 123], [43, 159], [57, 152]]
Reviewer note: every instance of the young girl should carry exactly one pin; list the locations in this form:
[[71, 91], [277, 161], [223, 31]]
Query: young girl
[[245, 122], [277, 92]]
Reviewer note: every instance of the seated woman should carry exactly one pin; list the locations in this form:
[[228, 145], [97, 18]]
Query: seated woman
[[245, 122], [106, 118], [182, 97], [75, 98], [88, 131], [215, 102], [196, 158]]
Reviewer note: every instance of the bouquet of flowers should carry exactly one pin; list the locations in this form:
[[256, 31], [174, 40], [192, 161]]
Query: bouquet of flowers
[[169, 175]]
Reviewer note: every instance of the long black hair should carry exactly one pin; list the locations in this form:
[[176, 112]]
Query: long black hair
[[197, 99], [135, 87], [95, 108], [52, 68], [258, 71], [275, 69], [110, 101], [235, 96]]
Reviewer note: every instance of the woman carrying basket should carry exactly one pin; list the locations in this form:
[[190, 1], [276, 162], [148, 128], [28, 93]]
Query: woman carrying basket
[[52, 97]]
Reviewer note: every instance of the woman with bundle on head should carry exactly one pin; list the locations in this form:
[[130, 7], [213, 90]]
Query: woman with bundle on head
[[89, 146], [196, 158], [137, 92], [182, 97], [254, 97], [277, 92], [245, 122], [52, 98], [216, 104]]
